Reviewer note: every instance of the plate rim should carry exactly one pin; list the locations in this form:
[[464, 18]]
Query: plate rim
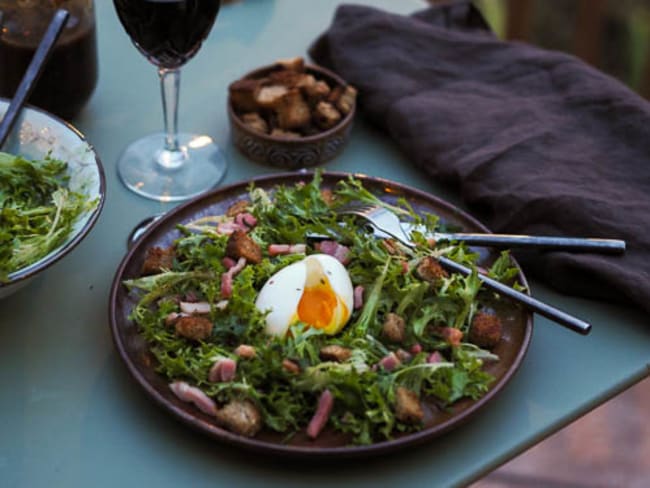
[[224, 436]]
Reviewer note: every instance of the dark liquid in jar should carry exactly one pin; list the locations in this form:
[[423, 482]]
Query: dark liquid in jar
[[167, 32], [68, 79]]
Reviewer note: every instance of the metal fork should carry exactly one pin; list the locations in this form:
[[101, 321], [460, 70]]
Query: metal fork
[[385, 218], [386, 221]]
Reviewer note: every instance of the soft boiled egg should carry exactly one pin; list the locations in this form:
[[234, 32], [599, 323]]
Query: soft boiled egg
[[316, 291]]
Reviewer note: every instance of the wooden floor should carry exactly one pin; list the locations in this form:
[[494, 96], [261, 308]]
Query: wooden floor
[[610, 447]]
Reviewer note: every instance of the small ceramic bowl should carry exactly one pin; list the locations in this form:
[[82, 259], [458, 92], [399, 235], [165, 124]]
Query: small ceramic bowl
[[36, 134], [297, 153]]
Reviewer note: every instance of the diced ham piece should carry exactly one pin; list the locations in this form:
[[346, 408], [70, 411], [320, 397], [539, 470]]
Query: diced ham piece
[[194, 395], [278, 249], [245, 351], [228, 262], [194, 308], [228, 370], [245, 220], [226, 284], [282, 249], [416, 348], [405, 267], [226, 278], [451, 335], [290, 366], [434, 357], [342, 253], [190, 308], [322, 415], [358, 297], [241, 262], [403, 356], [389, 362], [336, 250], [228, 227], [223, 371], [390, 246]]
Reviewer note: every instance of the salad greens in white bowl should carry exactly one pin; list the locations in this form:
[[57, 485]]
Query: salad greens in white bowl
[[52, 189]]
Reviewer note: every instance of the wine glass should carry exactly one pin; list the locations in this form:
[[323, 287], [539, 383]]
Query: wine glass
[[169, 166]]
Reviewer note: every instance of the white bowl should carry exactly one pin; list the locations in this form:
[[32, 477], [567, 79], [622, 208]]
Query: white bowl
[[36, 133]]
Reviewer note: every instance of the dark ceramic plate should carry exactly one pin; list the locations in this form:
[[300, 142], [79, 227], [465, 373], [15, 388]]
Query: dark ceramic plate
[[517, 328]]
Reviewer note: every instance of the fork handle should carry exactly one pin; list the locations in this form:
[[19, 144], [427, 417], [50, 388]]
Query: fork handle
[[604, 246], [544, 309]]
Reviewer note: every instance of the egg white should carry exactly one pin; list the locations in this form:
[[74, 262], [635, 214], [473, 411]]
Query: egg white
[[281, 294]]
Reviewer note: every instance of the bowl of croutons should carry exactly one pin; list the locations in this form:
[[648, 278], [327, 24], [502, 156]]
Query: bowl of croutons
[[290, 114]]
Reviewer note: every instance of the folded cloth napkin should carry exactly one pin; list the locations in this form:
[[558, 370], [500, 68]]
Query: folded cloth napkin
[[536, 141]]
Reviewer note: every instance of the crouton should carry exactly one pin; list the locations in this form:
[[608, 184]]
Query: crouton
[[241, 417], [243, 94], [451, 335], [328, 196], [238, 207], [485, 330], [241, 245], [290, 79], [293, 64], [407, 406], [286, 134], [290, 103], [335, 94], [157, 259], [346, 101], [335, 353], [270, 96], [194, 328], [317, 91], [306, 81], [326, 116], [394, 328], [429, 269], [292, 111], [255, 122]]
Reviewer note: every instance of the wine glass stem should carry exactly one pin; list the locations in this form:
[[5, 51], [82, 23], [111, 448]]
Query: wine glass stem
[[171, 157]]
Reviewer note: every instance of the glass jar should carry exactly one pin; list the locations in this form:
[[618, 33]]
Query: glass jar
[[70, 75]]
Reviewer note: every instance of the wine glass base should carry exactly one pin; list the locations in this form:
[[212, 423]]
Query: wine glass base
[[148, 170]]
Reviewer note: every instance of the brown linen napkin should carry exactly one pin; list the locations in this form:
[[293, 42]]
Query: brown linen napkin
[[536, 141]]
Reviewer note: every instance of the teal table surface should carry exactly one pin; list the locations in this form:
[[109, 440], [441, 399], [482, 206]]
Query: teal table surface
[[72, 416]]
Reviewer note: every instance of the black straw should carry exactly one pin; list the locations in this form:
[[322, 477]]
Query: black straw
[[33, 72]]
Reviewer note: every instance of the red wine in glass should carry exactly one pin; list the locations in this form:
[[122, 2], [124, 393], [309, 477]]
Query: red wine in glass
[[169, 166]]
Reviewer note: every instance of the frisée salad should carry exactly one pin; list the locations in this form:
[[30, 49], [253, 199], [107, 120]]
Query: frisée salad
[[260, 327]]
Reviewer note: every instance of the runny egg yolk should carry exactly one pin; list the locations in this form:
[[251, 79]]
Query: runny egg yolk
[[315, 291], [318, 304]]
